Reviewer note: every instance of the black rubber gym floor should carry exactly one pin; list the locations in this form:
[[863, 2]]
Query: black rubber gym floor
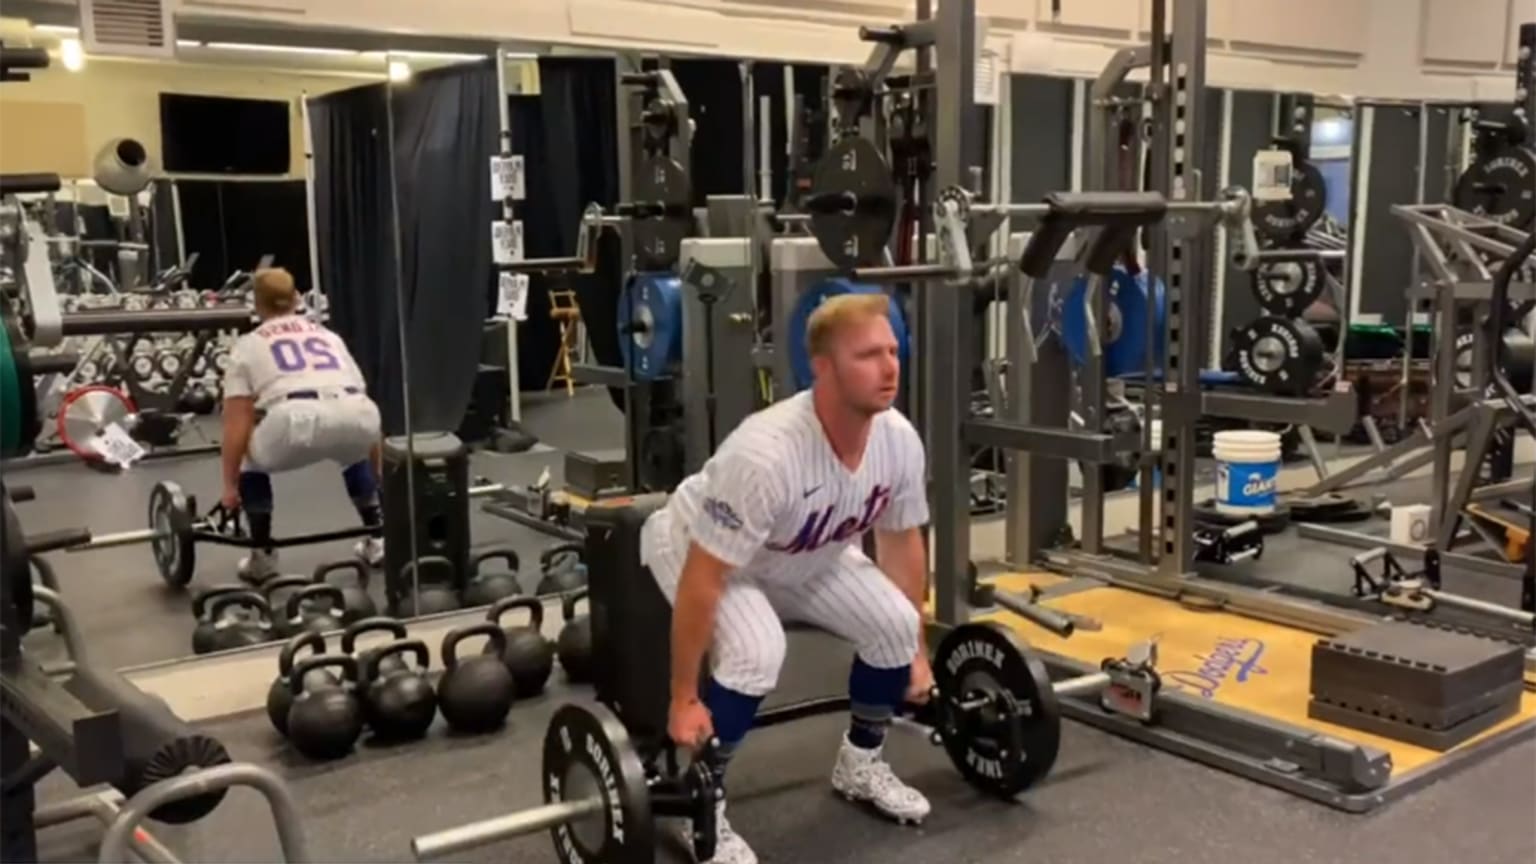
[[1108, 800]]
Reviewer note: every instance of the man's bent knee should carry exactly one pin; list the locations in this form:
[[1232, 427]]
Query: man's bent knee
[[897, 641], [751, 667]]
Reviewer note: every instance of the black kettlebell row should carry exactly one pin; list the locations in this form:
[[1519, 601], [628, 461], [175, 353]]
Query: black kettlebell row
[[437, 588], [323, 703]]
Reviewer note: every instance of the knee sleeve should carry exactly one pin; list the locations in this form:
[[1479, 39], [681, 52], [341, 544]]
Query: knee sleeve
[[362, 483], [256, 492]]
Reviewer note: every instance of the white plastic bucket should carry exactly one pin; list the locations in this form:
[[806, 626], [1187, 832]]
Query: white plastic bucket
[[1247, 463]]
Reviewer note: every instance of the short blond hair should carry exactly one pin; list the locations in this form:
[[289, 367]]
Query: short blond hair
[[273, 291], [836, 314]]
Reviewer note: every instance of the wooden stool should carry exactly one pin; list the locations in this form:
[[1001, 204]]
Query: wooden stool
[[564, 309]]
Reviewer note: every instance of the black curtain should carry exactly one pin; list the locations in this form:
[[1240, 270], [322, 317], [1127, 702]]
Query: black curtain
[[445, 131], [568, 138], [713, 88], [231, 224], [355, 235]]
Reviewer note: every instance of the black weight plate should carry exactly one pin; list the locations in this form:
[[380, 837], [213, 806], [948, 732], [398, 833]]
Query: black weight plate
[[1279, 355], [1282, 222], [1327, 508], [1273, 522], [587, 752], [1287, 288], [1501, 187], [175, 550], [854, 238], [658, 238], [1003, 748]]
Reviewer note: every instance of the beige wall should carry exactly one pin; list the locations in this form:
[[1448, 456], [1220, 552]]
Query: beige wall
[[1384, 48], [57, 121]]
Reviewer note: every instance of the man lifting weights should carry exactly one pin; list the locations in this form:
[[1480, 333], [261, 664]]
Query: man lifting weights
[[293, 396], [765, 533]]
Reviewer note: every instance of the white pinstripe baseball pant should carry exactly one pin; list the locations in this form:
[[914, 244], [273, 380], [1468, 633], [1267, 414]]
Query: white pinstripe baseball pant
[[850, 597]]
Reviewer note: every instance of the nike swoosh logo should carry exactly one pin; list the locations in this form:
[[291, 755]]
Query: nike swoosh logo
[[811, 491]]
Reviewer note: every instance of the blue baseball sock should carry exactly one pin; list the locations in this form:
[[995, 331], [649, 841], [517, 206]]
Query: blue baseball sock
[[732, 713], [875, 696], [363, 488], [257, 501]]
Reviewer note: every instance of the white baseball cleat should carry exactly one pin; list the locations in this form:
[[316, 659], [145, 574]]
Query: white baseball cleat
[[370, 551], [729, 847], [862, 776], [258, 567]]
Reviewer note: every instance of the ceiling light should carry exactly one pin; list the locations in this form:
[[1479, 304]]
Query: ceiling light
[[283, 49], [60, 29], [438, 55], [399, 71], [188, 43], [72, 54]]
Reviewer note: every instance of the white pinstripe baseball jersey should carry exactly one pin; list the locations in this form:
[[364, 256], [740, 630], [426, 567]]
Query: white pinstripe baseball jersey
[[775, 502]]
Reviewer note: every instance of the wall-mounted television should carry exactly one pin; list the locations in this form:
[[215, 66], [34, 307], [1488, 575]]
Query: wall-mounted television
[[223, 135]]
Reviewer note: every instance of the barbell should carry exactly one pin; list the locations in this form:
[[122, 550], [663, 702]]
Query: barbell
[[994, 710], [175, 529]]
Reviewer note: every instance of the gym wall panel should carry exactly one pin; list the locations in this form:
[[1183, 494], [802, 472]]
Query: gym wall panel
[[1387, 259], [1335, 26], [1440, 177], [1464, 31], [1041, 114], [120, 98], [1251, 123], [47, 137]]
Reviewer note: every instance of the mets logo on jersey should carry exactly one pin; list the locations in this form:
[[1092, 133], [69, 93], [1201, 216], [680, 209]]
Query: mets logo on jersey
[[722, 513], [814, 533]]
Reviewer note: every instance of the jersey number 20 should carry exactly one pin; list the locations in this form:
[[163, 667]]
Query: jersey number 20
[[291, 355]]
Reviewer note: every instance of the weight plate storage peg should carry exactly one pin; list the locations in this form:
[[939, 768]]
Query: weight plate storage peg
[[1285, 222], [1287, 288], [1501, 187], [852, 204], [1279, 355], [588, 756], [1010, 743], [664, 212], [171, 514]]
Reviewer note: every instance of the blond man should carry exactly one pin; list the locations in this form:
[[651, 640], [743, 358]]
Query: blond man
[[293, 397], [767, 531]]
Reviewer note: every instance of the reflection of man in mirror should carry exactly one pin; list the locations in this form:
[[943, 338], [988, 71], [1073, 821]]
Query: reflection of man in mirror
[[293, 396]]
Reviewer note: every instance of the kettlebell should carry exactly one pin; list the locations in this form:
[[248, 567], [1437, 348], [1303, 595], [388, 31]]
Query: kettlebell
[[279, 695], [201, 599], [278, 590], [398, 705], [486, 587], [528, 655], [219, 630], [475, 693], [376, 624], [316, 608], [357, 603], [325, 718], [430, 596], [575, 643], [562, 569]]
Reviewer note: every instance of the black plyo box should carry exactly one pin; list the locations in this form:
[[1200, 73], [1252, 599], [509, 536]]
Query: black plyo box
[[595, 474], [1416, 677]]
